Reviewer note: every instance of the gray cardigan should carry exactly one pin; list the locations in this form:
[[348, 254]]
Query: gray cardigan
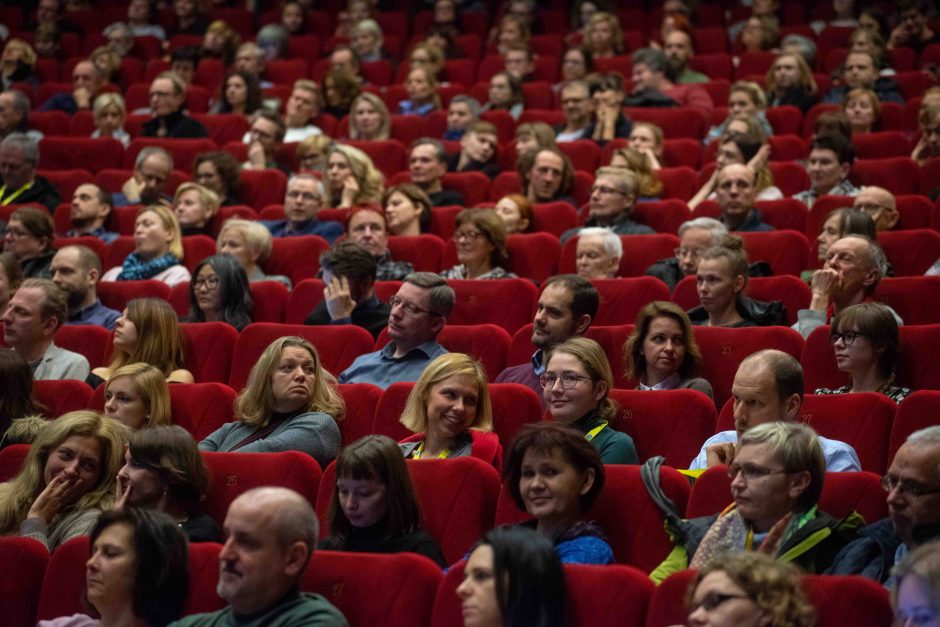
[[314, 433]]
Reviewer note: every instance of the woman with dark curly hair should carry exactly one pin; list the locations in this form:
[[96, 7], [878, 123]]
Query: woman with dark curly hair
[[219, 172], [240, 93]]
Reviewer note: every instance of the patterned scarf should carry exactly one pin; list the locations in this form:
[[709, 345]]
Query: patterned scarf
[[136, 270]]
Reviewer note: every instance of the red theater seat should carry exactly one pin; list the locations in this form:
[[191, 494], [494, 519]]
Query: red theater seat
[[533, 255], [116, 294], [201, 408], [361, 400], [184, 151], [92, 341], [207, 350], [96, 245], [622, 299], [487, 343], [70, 153], [21, 579], [784, 250], [305, 296], [231, 474], [424, 251], [296, 257], [899, 175], [915, 298], [66, 181], [918, 411], [636, 532], [663, 216], [64, 582], [261, 188], [395, 590], [912, 252], [509, 303], [553, 217], [61, 397]]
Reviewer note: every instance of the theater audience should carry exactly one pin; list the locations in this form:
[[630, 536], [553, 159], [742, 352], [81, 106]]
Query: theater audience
[[740, 149], [167, 99], [505, 94], [251, 244], [838, 224], [66, 481], [302, 202], [863, 109], [195, 206], [164, 471], [147, 185], [916, 595], [461, 113], [11, 275], [790, 82], [647, 138], [928, 146], [219, 292], [158, 249], [89, 213], [19, 153], [516, 213], [745, 98], [290, 403], [480, 238], [110, 114], [643, 167], [136, 396], [661, 352], [352, 177], [478, 151], [612, 202], [146, 332], [369, 119], [598, 253], [367, 227], [17, 399], [421, 87], [239, 94]]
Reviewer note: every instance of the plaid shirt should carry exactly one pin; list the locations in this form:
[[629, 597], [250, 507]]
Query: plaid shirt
[[844, 188]]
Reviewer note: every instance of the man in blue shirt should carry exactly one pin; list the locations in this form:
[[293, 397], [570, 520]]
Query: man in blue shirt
[[301, 204], [91, 207], [419, 312], [76, 270]]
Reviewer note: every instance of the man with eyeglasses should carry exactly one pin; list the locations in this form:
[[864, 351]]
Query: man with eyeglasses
[[167, 99], [776, 479], [913, 486], [578, 107], [265, 136], [76, 270], [419, 311], [768, 388], [613, 199], [349, 272], [853, 268], [19, 183], [301, 204], [567, 306], [879, 204], [695, 237]]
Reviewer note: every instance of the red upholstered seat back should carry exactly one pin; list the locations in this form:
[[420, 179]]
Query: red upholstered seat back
[[22, 566]]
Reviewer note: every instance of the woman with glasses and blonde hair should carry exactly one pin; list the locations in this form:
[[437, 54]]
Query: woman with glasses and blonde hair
[[450, 413], [312, 152], [290, 403], [480, 237], [66, 480], [661, 352], [148, 332], [136, 395], [251, 244], [369, 118], [577, 383], [865, 340], [158, 249], [352, 178]]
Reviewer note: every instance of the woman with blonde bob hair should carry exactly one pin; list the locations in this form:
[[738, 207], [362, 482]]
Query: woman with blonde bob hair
[[290, 403], [450, 413], [748, 589], [661, 352], [158, 249], [352, 178], [369, 118], [110, 113], [251, 244], [66, 480], [195, 206], [136, 396]]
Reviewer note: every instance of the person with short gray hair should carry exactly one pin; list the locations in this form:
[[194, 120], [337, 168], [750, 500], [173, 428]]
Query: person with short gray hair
[[654, 84], [598, 254], [419, 312], [147, 186], [14, 114], [695, 237], [912, 484], [462, 112], [612, 201], [19, 183]]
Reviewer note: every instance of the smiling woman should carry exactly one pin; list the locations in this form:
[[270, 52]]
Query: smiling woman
[[374, 508], [289, 404], [449, 408], [66, 480]]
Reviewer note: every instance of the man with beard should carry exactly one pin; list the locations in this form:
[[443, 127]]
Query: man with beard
[[76, 270], [91, 207], [678, 47], [566, 308]]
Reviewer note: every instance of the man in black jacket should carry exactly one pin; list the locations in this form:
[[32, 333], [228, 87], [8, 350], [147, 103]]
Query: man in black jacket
[[19, 157], [167, 98]]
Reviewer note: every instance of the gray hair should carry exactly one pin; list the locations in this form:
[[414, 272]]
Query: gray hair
[[803, 46], [275, 34], [470, 101], [439, 151], [306, 176], [718, 229], [653, 59], [124, 29], [255, 50], [442, 295], [371, 27], [611, 242], [797, 446], [928, 435], [24, 142], [150, 151], [625, 178], [20, 103]]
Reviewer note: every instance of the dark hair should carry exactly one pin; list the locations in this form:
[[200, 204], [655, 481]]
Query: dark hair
[[171, 452], [877, 323], [747, 143], [838, 144], [633, 347], [253, 97], [13, 270], [38, 222], [526, 162], [545, 437], [191, 54], [586, 54], [832, 123], [237, 306], [417, 196], [16, 395], [584, 296], [529, 578], [349, 259], [786, 369], [228, 168], [161, 562], [493, 229], [515, 86], [377, 458], [655, 60], [853, 222]]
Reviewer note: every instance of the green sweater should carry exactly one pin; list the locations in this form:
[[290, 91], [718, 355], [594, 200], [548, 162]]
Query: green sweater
[[298, 610], [615, 447]]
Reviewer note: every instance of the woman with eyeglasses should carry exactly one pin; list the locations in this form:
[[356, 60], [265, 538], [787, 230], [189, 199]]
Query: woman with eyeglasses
[[219, 292], [480, 238], [916, 593], [576, 384], [555, 476], [864, 338], [450, 413], [748, 590]]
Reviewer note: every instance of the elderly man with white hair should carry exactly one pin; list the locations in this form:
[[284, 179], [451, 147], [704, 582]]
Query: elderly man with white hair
[[598, 254], [613, 199]]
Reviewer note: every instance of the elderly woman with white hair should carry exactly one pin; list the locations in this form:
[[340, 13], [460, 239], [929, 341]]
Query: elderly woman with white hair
[[251, 244], [598, 253]]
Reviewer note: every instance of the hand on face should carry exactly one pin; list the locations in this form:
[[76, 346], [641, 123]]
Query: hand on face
[[59, 492]]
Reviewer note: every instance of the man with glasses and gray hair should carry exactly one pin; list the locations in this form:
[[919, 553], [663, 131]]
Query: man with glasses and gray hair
[[419, 312], [19, 158], [695, 237], [613, 199], [913, 487], [301, 204]]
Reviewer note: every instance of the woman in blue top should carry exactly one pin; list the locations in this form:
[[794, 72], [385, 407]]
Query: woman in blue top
[[554, 474]]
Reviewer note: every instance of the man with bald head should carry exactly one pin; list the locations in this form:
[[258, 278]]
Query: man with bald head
[[270, 535], [853, 268], [77, 270], [879, 204], [735, 193], [768, 387], [913, 486]]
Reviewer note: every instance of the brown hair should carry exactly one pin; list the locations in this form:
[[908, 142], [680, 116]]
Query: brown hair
[[633, 347]]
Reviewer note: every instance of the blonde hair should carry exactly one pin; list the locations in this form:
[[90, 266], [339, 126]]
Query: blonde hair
[[170, 223], [255, 404], [109, 99], [379, 105], [207, 197], [257, 237], [595, 363], [159, 341], [648, 185], [150, 384], [18, 494], [415, 415], [29, 55], [371, 180]]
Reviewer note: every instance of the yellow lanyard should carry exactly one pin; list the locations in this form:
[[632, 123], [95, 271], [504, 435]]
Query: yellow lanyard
[[590, 435], [417, 454], [14, 195]]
